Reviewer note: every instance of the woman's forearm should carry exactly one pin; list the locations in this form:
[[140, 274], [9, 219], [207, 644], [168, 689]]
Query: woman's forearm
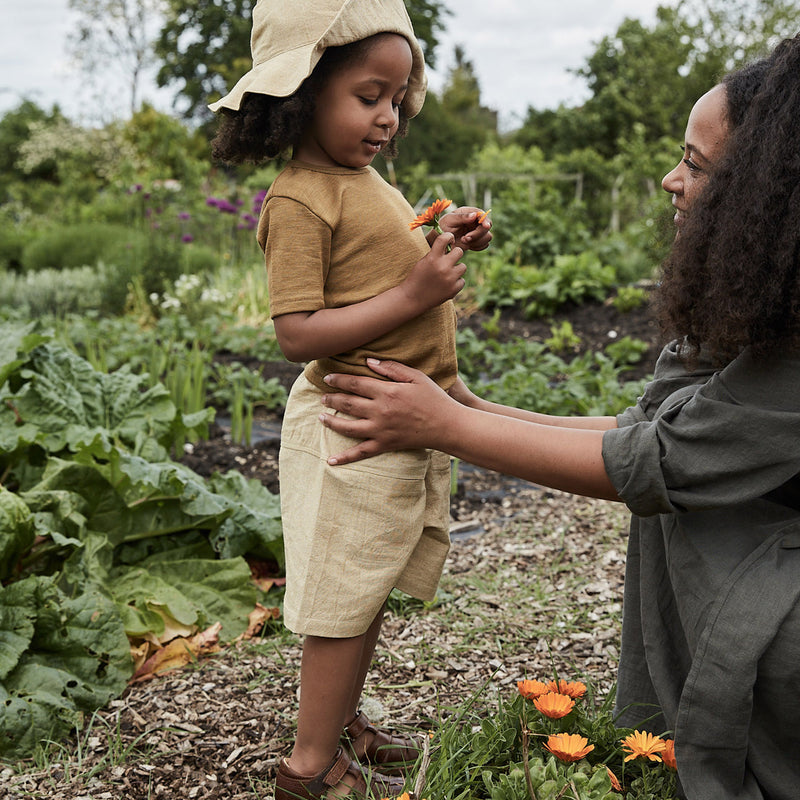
[[582, 423], [566, 457]]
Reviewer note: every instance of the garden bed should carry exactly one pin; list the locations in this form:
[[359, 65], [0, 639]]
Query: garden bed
[[533, 583]]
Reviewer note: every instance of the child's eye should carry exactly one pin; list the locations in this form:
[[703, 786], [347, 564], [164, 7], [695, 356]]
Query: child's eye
[[368, 101]]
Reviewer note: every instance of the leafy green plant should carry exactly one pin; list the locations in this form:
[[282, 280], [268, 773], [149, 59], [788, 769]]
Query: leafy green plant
[[241, 390], [542, 290], [629, 297], [102, 536], [563, 338], [526, 374]]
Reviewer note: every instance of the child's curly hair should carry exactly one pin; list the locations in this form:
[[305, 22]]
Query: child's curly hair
[[266, 127], [732, 278]]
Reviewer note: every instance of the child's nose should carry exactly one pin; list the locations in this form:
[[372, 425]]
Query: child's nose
[[387, 114]]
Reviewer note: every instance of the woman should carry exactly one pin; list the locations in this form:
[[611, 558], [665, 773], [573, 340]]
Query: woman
[[708, 460]]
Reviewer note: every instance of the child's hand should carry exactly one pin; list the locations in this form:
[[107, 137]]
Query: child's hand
[[471, 227], [438, 276]]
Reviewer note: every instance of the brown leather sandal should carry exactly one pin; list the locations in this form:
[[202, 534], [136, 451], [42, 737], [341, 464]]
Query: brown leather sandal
[[392, 755], [289, 785]]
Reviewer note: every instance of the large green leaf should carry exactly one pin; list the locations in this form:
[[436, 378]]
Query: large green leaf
[[16, 340], [16, 531], [79, 658], [141, 594], [17, 615], [216, 590], [254, 526]]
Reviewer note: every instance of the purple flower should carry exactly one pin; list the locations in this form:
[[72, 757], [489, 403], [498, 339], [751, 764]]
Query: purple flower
[[258, 201], [187, 237], [184, 215], [226, 207], [212, 201]]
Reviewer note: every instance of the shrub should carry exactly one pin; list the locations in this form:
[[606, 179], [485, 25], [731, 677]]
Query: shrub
[[79, 245], [58, 292]]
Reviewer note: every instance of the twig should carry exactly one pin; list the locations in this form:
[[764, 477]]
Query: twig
[[526, 768], [419, 784]]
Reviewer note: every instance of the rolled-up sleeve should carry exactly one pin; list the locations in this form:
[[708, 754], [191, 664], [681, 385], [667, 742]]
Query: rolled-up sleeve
[[710, 439]]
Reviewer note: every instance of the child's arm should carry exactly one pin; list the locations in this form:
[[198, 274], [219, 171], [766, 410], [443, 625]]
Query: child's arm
[[435, 278]]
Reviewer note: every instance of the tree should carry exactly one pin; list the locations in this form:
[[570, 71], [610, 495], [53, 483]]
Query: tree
[[118, 33], [204, 46], [452, 126], [647, 79]]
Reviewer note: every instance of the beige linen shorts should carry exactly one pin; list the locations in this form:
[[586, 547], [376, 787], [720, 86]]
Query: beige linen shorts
[[353, 533]]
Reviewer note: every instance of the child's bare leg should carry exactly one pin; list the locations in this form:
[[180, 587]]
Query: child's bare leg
[[367, 652], [327, 676]]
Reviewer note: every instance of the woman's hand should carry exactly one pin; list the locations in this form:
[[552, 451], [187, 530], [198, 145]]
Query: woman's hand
[[470, 226], [399, 415]]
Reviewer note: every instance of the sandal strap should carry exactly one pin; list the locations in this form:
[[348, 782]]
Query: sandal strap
[[359, 724], [333, 774], [390, 754], [291, 784]]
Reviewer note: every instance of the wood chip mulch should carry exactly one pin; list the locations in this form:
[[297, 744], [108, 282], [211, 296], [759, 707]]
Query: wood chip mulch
[[533, 583]]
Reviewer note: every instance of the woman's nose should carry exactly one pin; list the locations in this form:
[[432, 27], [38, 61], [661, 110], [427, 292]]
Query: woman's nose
[[671, 183]]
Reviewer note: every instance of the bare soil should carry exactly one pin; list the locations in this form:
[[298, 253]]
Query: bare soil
[[533, 583]]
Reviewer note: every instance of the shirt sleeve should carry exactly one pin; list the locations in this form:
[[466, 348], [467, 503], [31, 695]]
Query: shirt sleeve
[[711, 439], [297, 252]]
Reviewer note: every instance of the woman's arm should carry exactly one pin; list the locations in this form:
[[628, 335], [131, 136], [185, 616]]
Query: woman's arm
[[435, 278], [463, 395], [412, 412]]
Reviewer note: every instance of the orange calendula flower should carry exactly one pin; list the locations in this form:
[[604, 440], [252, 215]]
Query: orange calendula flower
[[568, 746], [643, 745], [404, 796], [482, 216], [669, 754], [430, 216], [575, 689], [532, 689], [554, 705], [615, 784]]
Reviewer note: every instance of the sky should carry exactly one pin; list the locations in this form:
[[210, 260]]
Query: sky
[[522, 52]]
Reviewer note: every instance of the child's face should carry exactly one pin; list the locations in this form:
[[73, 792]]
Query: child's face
[[357, 109]]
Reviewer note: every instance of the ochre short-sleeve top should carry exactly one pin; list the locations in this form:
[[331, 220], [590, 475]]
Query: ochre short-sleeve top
[[333, 237]]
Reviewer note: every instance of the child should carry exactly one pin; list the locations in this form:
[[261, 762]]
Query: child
[[336, 80]]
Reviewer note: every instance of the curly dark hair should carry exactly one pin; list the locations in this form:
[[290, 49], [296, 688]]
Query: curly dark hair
[[266, 127], [732, 278]]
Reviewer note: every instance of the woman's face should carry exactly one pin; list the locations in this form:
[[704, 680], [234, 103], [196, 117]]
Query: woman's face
[[706, 133]]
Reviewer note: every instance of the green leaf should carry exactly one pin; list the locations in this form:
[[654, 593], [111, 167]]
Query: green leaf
[[254, 527], [78, 659], [16, 531], [218, 590], [17, 614], [139, 593], [15, 342]]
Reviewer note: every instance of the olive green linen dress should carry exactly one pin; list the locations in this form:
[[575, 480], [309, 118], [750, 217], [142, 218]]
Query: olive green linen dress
[[709, 464]]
